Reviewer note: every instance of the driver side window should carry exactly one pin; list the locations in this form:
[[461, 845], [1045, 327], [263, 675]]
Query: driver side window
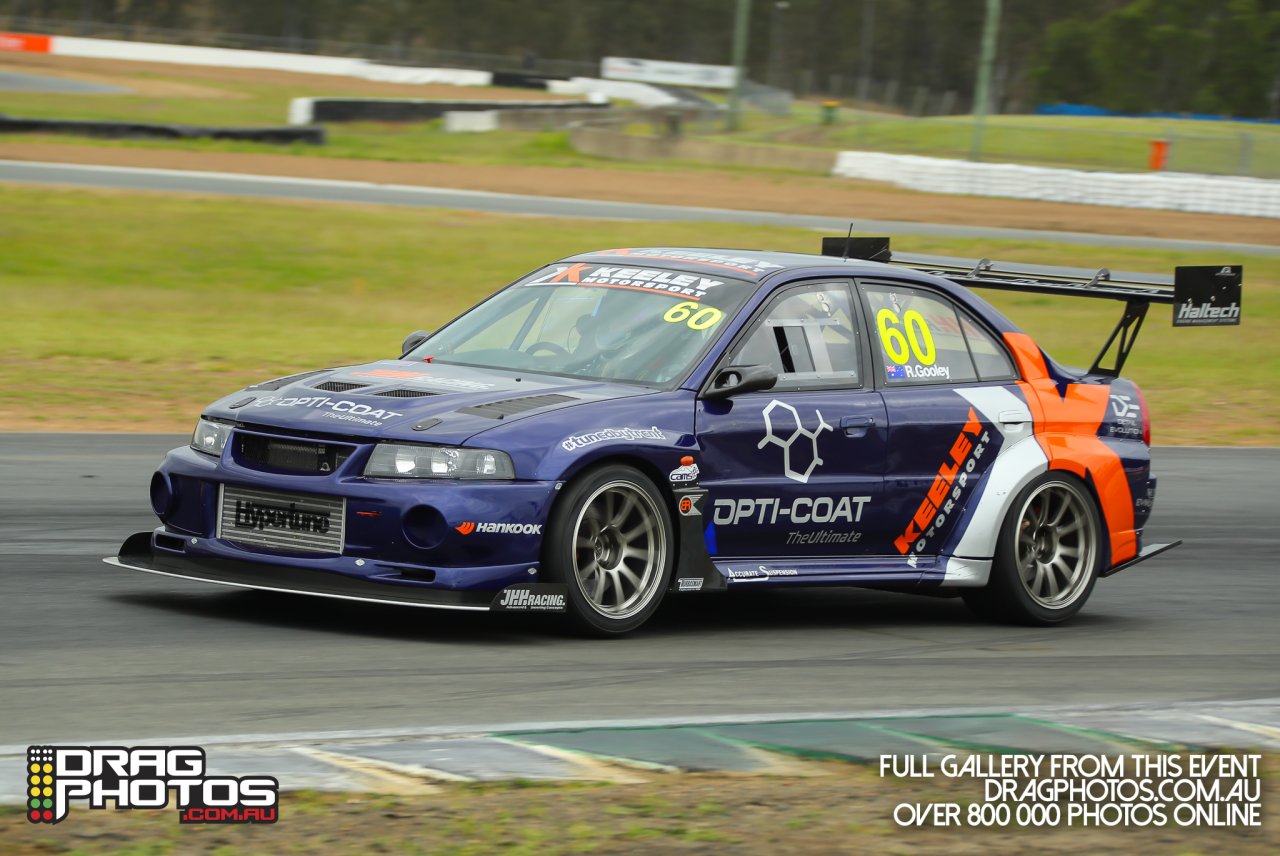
[[809, 336]]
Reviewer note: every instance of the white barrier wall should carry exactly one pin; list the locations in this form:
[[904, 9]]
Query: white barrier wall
[[1208, 194], [232, 58], [595, 88]]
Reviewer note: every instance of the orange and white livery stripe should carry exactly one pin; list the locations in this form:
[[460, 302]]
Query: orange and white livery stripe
[[1066, 427]]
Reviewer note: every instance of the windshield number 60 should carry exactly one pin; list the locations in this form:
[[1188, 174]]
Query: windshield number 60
[[697, 318]]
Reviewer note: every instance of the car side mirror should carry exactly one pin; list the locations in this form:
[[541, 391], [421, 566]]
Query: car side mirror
[[732, 380], [413, 340]]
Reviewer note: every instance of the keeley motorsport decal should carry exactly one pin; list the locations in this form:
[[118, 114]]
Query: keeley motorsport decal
[[648, 279], [739, 264], [578, 441], [803, 509], [943, 496], [143, 777], [341, 409]]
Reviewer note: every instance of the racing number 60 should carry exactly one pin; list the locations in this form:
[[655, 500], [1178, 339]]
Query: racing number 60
[[706, 316], [917, 341]]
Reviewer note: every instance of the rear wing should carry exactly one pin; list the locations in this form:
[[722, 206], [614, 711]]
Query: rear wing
[[1202, 296]]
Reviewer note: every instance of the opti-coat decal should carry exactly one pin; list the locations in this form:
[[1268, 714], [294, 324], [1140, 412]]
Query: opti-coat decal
[[802, 509], [1067, 423], [340, 409]]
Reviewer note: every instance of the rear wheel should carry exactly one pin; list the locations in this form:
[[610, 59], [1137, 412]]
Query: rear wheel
[[1047, 556], [611, 543]]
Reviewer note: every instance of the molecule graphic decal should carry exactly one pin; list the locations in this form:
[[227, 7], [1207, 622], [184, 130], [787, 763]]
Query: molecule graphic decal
[[774, 425]]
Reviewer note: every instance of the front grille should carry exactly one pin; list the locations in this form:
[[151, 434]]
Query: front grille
[[306, 457], [339, 386], [290, 522]]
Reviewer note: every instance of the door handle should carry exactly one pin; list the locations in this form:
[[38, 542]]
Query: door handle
[[1015, 417], [856, 426]]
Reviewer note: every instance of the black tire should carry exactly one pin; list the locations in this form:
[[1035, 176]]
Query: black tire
[[603, 522], [1048, 555]]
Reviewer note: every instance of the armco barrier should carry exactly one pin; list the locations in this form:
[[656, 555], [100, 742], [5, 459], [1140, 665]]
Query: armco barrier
[[602, 140], [1208, 194], [147, 131], [304, 111]]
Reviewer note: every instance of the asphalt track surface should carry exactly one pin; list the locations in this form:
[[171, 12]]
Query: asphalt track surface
[[93, 652], [322, 190], [13, 81]]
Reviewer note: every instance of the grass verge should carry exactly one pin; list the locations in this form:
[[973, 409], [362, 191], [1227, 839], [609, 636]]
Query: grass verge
[[839, 808], [130, 311]]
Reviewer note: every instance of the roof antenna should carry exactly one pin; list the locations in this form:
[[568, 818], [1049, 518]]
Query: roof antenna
[[848, 242]]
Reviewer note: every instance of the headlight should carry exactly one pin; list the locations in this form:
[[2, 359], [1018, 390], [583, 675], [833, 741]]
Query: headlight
[[394, 461], [210, 437]]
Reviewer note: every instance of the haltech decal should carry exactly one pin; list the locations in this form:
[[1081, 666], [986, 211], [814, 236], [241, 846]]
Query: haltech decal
[[943, 496]]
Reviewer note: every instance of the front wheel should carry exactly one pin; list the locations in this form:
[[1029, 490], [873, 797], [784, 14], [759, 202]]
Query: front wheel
[[611, 543], [1047, 556]]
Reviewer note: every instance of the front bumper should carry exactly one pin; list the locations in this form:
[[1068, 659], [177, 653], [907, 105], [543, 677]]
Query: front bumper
[[384, 546], [137, 553]]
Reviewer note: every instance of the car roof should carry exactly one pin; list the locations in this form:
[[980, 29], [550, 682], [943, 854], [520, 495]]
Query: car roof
[[757, 266], [753, 265]]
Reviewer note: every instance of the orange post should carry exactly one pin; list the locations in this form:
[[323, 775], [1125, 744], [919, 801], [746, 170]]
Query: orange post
[[1159, 155]]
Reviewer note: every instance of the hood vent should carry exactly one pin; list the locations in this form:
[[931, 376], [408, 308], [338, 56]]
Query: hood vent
[[511, 406], [339, 386], [279, 382], [405, 393]]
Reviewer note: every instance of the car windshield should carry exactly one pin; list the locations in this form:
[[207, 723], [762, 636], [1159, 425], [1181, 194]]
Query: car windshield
[[595, 321]]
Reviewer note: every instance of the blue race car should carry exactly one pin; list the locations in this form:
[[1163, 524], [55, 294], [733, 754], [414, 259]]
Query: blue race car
[[629, 423]]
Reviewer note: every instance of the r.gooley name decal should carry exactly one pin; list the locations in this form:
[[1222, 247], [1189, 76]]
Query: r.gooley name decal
[[947, 488]]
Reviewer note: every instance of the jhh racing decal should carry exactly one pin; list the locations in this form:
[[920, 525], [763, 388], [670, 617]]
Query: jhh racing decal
[[531, 597], [786, 430], [945, 495]]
